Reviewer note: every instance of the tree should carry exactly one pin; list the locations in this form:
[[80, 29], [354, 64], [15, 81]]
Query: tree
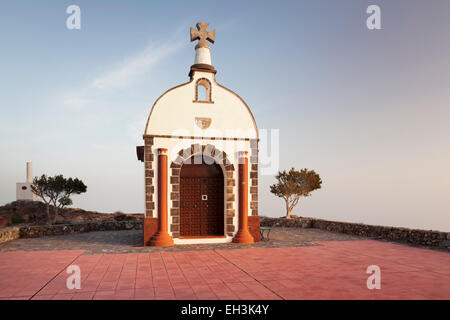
[[41, 188], [56, 191], [295, 184], [71, 186]]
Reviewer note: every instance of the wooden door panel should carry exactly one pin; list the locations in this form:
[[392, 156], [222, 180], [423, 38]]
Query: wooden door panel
[[201, 217]]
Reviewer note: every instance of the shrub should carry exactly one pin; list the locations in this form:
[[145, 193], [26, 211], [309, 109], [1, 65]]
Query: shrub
[[17, 219]]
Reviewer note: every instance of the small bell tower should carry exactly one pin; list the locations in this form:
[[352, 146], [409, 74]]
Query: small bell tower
[[202, 49]]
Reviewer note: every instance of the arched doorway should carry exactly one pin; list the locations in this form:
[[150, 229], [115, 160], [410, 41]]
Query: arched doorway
[[201, 198]]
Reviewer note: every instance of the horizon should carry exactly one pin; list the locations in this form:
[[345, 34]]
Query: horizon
[[366, 109]]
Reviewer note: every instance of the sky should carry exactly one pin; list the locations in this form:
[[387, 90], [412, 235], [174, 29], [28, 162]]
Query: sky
[[367, 109]]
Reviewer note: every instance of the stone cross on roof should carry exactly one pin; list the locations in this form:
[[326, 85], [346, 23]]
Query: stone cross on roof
[[202, 35]]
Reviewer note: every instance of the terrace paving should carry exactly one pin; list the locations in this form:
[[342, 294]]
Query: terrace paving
[[131, 241], [295, 264]]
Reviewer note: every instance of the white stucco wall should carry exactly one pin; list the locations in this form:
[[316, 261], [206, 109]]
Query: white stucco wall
[[174, 113], [202, 55], [23, 192]]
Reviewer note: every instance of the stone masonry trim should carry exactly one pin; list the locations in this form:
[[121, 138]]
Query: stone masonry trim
[[149, 175], [229, 182]]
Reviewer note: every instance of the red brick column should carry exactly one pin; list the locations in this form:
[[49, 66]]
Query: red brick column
[[243, 235], [162, 237]]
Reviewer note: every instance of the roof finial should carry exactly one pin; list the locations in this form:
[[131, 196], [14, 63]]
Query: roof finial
[[202, 35]]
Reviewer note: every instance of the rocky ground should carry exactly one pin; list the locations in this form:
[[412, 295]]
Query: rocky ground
[[129, 241], [34, 213]]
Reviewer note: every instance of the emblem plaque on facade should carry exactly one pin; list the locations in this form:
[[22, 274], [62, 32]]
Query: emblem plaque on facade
[[203, 123]]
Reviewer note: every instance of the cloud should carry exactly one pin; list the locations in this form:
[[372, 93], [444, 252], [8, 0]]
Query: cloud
[[74, 100], [133, 67], [123, 74]]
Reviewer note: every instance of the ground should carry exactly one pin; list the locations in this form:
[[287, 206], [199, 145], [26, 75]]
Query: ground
[[295, 264], [30, 213]]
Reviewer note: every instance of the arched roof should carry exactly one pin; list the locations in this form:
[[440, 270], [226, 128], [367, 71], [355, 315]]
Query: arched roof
[[175, 112]]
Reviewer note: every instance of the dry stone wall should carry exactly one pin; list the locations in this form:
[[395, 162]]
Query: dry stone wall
[[427, 238]]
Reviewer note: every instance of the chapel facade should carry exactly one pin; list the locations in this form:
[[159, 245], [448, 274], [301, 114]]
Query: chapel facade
[[200, 157]]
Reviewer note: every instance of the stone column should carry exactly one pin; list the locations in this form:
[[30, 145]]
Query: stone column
[[243, 235], [162, 237]]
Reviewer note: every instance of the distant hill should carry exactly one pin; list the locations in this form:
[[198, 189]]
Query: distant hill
[[34, 213]]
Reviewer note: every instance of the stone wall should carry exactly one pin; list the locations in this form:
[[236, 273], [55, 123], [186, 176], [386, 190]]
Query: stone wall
[[8, 234], [149, 158], [428, 238], [150, 228], [253, 227], [254, 177], [61, 229]]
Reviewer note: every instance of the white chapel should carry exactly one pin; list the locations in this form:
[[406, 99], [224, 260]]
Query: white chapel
[[200, 157]]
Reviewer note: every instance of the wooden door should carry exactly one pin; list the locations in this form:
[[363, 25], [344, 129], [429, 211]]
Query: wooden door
[[201, 200]]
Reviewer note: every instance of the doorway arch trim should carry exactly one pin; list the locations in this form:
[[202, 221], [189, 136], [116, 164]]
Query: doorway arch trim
[[220, 157]]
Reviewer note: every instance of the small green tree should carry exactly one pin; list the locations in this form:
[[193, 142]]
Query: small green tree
[[71, 187], [42, 187], [295, 184], [56, 191]]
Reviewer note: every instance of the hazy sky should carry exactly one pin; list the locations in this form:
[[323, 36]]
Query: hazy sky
[[369, 110]]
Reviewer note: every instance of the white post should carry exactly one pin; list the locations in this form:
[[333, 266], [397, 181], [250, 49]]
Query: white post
[[29, 172], [202, 56]]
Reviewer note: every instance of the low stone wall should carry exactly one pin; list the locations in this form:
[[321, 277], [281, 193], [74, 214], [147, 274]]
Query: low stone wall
[[61, 229], [428, 238], [8, 234]]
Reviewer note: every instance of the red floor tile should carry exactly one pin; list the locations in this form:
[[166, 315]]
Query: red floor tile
[[333, 270]]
